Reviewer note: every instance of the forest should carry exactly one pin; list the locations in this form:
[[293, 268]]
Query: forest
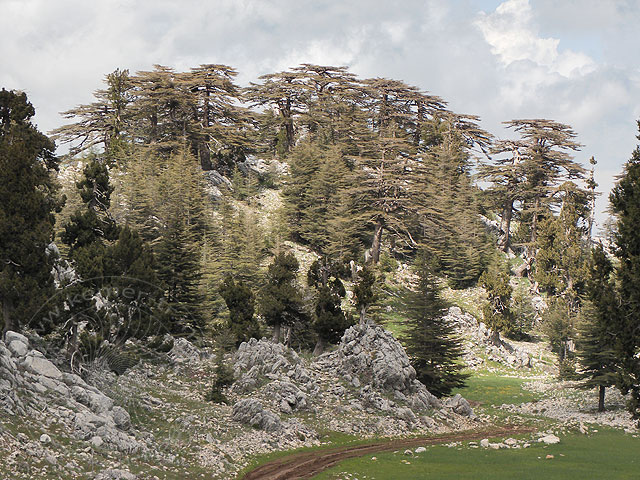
[[162, 228]]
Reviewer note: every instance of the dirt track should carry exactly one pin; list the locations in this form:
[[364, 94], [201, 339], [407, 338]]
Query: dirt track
[[306, 465]]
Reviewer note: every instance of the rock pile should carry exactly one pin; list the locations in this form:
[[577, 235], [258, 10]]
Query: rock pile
[[30, 384], [371, 357]]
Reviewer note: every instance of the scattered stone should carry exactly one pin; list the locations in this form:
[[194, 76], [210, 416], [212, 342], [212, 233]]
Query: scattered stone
[[44, 438], [549, 439], [549, 457], [484, 443], [420, 450], [115, 474]]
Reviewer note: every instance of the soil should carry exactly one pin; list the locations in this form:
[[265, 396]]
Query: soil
[[306, 465]]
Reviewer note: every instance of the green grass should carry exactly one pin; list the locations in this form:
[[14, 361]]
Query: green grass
[[495, 390], [609, 454]]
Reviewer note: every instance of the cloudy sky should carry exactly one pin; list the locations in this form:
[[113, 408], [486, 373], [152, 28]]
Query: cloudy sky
[[574, 61]]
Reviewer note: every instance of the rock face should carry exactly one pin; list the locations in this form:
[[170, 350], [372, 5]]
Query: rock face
[[258, 361], [250, 411], [497, 348], [184, 351], [29, 382], [369, 355]]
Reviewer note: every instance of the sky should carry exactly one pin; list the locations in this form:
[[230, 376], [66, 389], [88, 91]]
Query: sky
[[573, 61]]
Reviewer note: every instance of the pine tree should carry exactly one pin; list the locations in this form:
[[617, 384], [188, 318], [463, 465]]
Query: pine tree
[[241, 304], [329, 322], [434, 350], [28, 199], [497, 311], [597, 339], [562, 244], [625, 204], [545, 164], [364, 292], [281, 300]]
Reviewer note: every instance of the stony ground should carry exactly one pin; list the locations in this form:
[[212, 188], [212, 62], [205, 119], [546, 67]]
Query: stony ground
[[152, 422]]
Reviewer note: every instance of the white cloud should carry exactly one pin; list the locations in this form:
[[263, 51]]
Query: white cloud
[[513, 37]]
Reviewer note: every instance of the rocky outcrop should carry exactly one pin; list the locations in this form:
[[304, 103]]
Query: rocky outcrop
[[261, 168], [185, 351], [369, 355], [29, 383], [258, 361], [251, 412]]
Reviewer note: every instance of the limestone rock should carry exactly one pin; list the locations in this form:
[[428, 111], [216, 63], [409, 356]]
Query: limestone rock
[[115, 474], [459, 405], [251, 412], [185, 351], [549, 439], [36, 363]]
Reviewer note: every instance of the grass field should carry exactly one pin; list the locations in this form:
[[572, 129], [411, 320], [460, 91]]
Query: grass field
[[495, 390], [608, 454]]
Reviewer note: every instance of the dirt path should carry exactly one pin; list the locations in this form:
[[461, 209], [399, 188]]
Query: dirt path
[[306, 465]]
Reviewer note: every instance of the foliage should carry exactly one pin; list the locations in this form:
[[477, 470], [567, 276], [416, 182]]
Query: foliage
[[241, 304], [224, 378], [281, 301], [625, 205], [432, 346], [329, 321], [28, 199], [497, 310]]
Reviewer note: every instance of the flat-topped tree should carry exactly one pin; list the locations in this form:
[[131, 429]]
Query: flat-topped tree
[[285, 92], [506, 176], [224, 126], [546, 163], [107, 122], [388, 183]]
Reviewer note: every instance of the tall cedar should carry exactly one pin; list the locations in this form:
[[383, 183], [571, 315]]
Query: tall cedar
[[281, 300], [598, 340], [432, 346], [625, 205], [27, 202]]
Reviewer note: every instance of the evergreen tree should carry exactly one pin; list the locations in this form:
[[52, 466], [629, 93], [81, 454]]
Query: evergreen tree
[[562, 244], [625, 205], [434, 350], [241, 304], [364, 292], [545, 164], [559, 324], [28, 199], [597, 340], [93, 222], [179, 270], [281, 301], [497, 311], [329, 321]]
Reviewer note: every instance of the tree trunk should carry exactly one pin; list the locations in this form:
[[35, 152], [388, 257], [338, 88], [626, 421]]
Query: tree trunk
[[534, 225], [276, 333], [319, 349], [363, 316], [375, 244], [601, 398], [506, 220]]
